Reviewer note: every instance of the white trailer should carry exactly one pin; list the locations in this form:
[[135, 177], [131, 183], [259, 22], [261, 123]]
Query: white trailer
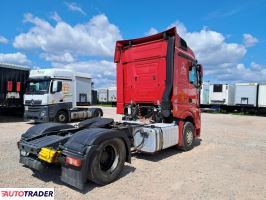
[[83, 90], [204, 95], [262, 95], [103, 95], [222, 94], [246, 94], [112, 95], [56, 94]]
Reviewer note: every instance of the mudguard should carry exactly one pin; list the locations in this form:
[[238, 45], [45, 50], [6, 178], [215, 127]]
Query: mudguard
[[41, 129], [96, 123], [83, 145]]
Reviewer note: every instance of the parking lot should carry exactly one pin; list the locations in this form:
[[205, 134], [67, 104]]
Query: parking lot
[[228, 162]]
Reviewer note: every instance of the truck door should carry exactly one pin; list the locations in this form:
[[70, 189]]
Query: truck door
[[61, 91], [185, 90]]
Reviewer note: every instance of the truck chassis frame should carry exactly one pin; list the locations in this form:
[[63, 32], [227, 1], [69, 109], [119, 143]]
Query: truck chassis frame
[[78, 148]]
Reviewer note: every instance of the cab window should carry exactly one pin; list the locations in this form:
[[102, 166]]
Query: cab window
[[193, 75]]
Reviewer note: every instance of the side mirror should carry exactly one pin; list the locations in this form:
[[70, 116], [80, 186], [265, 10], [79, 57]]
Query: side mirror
[[57, 86], [200, 69], [200, 72]]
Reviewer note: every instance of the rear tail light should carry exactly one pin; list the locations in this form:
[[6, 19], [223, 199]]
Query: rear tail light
[[18, 86], [9, 86], [73, 161]]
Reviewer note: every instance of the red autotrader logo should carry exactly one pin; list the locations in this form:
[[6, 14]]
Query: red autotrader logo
[[27, 193]]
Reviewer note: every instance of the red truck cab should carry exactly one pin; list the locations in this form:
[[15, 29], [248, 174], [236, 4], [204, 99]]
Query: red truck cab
[[158, 78]]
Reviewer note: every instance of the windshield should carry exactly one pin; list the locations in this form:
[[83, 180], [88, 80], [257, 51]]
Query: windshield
[[38, 87]]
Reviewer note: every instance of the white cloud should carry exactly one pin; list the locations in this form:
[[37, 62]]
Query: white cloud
[[249, 40], [210, 46], [152, 31], [222, 60], [61, 58], [14, 58], [103, 72], [255, 66], [97, 37], [55, 17], [180, 28], [3, 40], [75, 7], [239, 73]]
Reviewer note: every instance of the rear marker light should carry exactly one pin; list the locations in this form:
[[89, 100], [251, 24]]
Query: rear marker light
[[73, 161], [9, 86], [18, 86]]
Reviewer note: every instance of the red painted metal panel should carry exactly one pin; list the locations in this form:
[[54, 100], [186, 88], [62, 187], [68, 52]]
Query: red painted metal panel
[[120, 89], [144, 72]]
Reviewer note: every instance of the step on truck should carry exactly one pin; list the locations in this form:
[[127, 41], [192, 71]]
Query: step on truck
[[158, 89], [58, 95]]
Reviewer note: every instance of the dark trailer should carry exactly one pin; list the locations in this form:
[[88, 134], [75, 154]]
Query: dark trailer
[[13, 79]]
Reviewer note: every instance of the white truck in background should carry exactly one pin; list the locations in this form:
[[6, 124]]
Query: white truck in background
[[246, 94], [204, 94], [103, 95], [107, 95], [222, 94], [58, 95], [112, 95]]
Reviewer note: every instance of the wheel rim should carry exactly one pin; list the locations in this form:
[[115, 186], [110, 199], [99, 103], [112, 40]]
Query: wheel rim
[[98, 114], [189, 137], [109, 159], [62, 118]]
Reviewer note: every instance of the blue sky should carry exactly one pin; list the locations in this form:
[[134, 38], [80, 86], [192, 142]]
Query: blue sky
[[228, 37]]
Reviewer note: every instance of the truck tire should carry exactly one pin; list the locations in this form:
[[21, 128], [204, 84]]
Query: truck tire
[[97, 113], [188, 136], [107, 161], [61, 117]]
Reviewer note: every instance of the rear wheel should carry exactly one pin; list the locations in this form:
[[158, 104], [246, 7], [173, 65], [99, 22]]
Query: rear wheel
[[61, 117], [108, 161], [188, 136], [97, 113]]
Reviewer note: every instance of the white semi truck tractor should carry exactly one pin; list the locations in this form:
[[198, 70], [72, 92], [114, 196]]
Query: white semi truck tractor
[[58, 95]]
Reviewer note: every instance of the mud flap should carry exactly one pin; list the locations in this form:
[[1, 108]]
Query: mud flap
[[73, 176], [32, 163]]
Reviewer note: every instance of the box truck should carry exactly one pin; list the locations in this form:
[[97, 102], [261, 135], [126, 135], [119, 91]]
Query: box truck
[[158, 91], [222, 94], [102, 95], [13, 80], [246, 94], [204, 95], [112, 95], [262, 95], [58, 95]]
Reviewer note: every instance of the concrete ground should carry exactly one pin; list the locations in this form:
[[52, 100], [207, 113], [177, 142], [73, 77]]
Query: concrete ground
[[229, 162]]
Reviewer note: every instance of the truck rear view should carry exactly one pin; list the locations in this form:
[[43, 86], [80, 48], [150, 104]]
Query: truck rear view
[[158, 79], [158, 83], [13, 80]]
